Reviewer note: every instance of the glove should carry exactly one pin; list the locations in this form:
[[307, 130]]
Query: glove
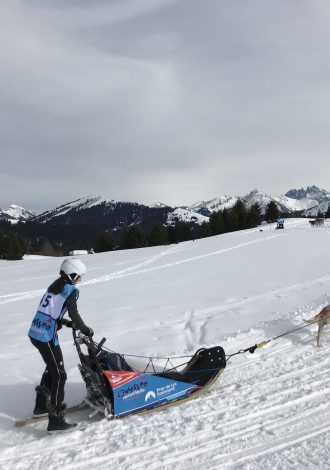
[[66, 322], [88, 331]]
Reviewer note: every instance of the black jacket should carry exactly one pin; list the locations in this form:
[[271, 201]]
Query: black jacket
[[71, 304]]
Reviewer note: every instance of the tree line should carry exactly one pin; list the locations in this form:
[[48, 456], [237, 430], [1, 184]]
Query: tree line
[[58, 240]]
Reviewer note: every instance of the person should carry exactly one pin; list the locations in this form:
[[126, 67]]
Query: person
[[60, 297], [280, 223]]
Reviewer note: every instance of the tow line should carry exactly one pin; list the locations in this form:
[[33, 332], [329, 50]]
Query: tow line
[[251, 349]]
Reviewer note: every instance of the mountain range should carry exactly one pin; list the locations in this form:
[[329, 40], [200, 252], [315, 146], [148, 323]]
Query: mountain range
[[112, 215]]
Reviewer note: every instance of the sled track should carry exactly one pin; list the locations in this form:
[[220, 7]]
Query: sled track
[[138, 268], [254, 417]]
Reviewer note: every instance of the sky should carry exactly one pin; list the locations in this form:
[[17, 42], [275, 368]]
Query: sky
[[162, 100]]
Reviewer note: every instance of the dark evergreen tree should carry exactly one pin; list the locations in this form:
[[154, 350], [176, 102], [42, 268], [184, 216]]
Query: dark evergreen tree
[[225, 217], [172, 235], [132, 237], [158, 235], [272, 212], [205, 230], [105, 242], [241, 213], [12, 246], [183, 231], [254, 216], [327, 214], [217, 223], [180, 232]]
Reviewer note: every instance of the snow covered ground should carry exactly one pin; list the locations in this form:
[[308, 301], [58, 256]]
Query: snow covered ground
[[269, 410]]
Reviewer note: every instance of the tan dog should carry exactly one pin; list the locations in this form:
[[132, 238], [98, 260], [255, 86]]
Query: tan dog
[[322, 319]]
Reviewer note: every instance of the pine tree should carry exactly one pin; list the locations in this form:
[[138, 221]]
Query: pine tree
[[105, 242], [171, 234], [205, 230], [272, 212], [180, 232], [132, 237], [158, 235], [327, 214], [217, 224], [12, 246], [254, 216], [238, 216]]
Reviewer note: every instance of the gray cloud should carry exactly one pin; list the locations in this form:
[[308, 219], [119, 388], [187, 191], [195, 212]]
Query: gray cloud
[[174, 100]]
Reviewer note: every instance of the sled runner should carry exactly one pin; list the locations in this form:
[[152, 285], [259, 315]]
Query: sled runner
[[118, 388], [37, 419]]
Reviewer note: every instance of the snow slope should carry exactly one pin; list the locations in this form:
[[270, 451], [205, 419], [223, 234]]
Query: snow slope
[[269, 410]]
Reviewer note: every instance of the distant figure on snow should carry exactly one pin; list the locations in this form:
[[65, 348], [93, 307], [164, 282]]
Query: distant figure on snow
[[60, 297], [280, 223]]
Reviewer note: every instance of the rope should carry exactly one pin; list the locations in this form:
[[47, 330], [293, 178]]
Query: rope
[[144, 357], [251, 349], [151, 360]]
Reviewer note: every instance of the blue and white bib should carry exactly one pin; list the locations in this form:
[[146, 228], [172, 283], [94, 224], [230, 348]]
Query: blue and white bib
[[51, 308]]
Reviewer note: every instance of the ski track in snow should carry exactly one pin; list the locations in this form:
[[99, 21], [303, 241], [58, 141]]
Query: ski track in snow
[[254, 417], [136, 269]]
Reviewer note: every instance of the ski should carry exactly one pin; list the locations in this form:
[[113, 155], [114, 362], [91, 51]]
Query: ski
[[38, 419]]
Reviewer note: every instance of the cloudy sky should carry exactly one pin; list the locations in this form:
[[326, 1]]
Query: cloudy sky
[[162, 100]]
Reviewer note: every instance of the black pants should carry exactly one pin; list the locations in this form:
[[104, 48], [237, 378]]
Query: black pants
[[54, 377]]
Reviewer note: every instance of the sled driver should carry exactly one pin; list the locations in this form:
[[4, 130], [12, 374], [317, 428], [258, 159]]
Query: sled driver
[[60, 297]]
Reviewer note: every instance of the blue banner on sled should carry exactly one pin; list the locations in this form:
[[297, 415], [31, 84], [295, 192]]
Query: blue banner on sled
[[144, 391]]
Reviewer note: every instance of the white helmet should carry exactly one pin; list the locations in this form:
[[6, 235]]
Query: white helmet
[[72, 268]]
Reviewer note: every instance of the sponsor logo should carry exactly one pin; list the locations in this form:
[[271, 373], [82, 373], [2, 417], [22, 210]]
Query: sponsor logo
[[161, 391], [167, 389], [133, 390], [150, 396], [42, 324], [119, 378]]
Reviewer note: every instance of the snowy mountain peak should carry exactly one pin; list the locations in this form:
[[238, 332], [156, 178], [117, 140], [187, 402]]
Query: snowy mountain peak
[[255, 192], [217, 204], [80, 204], [159, 205], [311, 192], [16, 213], [257, 197]]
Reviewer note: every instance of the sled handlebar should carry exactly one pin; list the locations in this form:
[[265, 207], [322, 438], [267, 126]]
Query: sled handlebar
[[101, 343], [80, 338]]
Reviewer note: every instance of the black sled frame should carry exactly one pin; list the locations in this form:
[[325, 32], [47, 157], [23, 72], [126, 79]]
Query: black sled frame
[[198, 373]]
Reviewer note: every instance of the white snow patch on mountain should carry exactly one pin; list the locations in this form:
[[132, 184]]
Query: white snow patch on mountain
[[158, 205], [297, 204], [81, 204], [16, 213], [216, 204], [185, 215], [257, 197]]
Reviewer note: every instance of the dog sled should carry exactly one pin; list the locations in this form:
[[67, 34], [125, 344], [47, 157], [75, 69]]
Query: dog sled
[[118, 385]]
